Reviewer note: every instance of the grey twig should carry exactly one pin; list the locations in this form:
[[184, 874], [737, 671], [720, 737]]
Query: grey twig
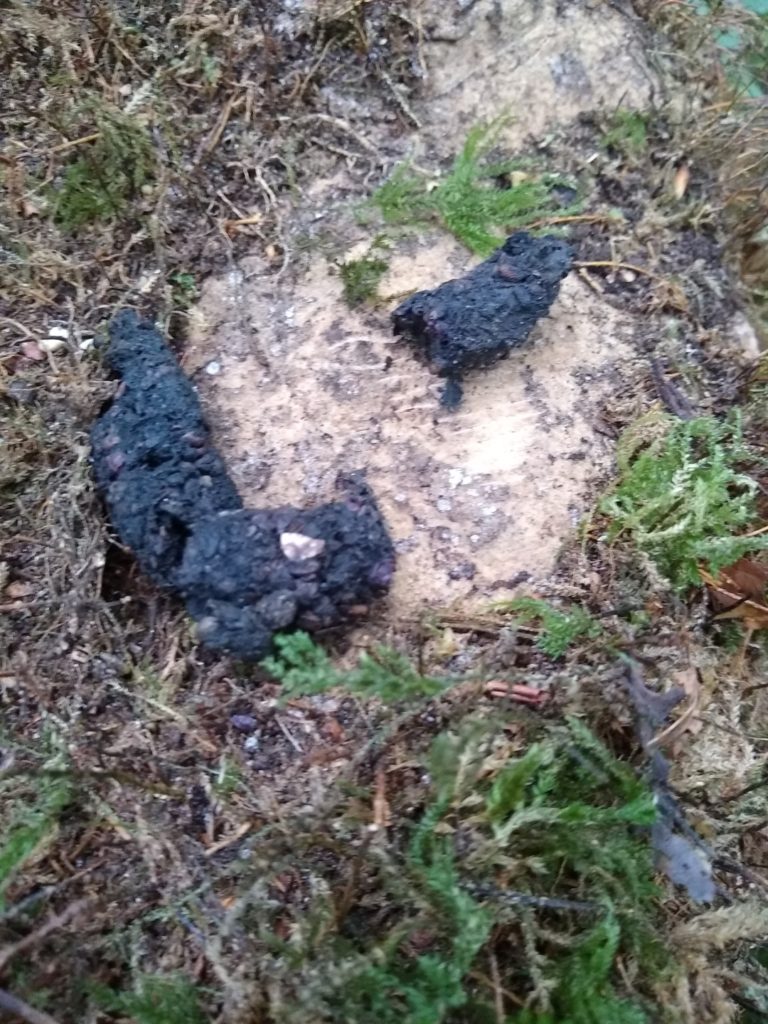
[[523, 899], [12, 1004]]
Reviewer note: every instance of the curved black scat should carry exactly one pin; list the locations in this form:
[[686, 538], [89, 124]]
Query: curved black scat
[[475, 320], [243, 574]]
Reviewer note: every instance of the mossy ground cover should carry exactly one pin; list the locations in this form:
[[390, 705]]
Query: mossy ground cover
[[392, 836]]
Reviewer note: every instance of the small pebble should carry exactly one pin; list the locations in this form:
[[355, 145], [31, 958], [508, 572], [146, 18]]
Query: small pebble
[[57, 339], [213, 368], [251, 743], [243, 723]]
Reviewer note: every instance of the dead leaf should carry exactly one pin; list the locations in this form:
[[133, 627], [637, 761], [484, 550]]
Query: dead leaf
[[19, 589], [689, 721], [332, 730], [735, 604], [283, 882], [682, 178], [746, 577], [31, 350], [321, 755]]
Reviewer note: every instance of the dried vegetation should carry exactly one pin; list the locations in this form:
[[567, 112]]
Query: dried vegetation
[[459, 829]]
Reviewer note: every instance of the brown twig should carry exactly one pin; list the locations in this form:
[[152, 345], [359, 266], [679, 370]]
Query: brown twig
[[583, 218], [12, 1004], [232, 103], [341, 125], [63, 146], [54, 922], [498, 992], [617, 265]]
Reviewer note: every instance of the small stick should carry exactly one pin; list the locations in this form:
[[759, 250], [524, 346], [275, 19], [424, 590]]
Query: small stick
[[618, 265], [12, 1004], [584, 218], [524, 899], [337, 122], [218, 129], [54, 922], [63, 146], [498, 995], [19, 327]]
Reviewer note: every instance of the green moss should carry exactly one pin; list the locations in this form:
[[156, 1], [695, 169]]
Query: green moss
[[559, 629], [184, 289], [583, 992], [33, 824], [561, 820], [302, 667], [570, 818], [157, 999], [107, 172], [361, 279], [479, 202], [628, 133], [684, 496]]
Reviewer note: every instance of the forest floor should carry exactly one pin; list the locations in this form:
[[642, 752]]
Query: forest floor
[[529, 787]]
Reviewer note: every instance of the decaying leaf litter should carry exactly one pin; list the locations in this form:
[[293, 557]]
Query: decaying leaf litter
[[222, 835]]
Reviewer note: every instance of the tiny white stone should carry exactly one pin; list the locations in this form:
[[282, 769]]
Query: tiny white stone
[[443, 505], [52, 344], [251, 743], [213, 368], [298, 548]]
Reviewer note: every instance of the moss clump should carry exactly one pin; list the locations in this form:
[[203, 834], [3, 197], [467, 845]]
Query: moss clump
[[559, 629], [685, 497], [628, 133], [505, 841], [478, 201], [108, 172], [303, 668], [361, 279], [33, 823], [157, 999]]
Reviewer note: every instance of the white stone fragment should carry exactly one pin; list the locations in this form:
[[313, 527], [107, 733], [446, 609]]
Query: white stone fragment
[[57, 339], [298, 548]]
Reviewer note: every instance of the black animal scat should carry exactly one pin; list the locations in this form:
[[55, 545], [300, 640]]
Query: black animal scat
[[475, 320], [172, 502]]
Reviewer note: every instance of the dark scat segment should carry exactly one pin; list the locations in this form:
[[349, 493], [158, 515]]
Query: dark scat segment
[[152, 455], [172, 502], [263, 590], [474, 320]]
